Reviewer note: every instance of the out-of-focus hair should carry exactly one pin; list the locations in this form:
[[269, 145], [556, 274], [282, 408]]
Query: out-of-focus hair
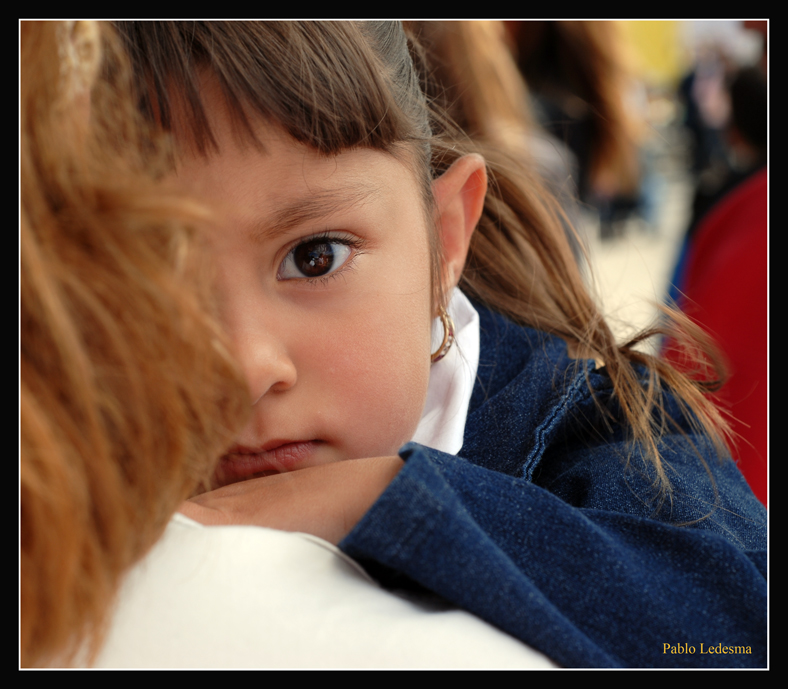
[[128, 393], [335, 86], [581, 64], [472, 75]]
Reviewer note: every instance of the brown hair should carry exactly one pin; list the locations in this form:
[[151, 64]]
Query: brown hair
[[127, 392], [582, 65], [335, 86], [472, 75]]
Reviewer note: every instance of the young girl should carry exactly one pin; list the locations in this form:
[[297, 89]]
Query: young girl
[[573, 495]]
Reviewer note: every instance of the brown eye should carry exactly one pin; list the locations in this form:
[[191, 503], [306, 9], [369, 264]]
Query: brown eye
[[314, 258]]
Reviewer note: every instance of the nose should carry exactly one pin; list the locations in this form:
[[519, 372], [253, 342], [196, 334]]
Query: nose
[[265, 362], [259, 325]]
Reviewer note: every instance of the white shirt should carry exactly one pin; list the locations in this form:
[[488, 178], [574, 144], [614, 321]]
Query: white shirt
[[246, 596], [442, 422]]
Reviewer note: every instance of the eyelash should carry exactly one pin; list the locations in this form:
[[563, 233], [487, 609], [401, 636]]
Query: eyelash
[[355, 243]]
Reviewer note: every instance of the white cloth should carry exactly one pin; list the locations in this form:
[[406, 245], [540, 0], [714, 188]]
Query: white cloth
[[442, 422], [244, 596]]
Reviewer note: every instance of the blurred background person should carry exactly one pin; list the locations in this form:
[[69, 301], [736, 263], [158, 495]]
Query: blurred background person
[[724, 288], [580, 89], [731, 145], [720, 277]]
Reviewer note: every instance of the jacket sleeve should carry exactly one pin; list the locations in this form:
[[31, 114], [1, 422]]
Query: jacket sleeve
[[586, 585]]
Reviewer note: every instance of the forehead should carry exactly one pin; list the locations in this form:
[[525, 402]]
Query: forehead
[[290, 178], [284, 178]]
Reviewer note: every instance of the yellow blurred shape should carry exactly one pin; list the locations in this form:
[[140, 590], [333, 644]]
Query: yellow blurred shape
[[657, 50]]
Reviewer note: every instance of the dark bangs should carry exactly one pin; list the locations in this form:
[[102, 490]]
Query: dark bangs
[[326, 84]]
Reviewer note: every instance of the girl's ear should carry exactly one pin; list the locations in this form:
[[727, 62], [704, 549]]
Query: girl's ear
[[459, 200]]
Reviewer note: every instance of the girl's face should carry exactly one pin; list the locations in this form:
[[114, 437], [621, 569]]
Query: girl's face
[[324, 285]]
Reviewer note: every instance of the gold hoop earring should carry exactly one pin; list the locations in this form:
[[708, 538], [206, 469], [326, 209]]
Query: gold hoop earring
[[448, 337]]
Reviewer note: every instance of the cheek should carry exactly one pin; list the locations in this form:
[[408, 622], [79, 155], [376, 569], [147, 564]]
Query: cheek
[[377, 370], [403, 373]]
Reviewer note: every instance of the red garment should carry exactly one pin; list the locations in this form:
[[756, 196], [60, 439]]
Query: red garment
[[725, 290]]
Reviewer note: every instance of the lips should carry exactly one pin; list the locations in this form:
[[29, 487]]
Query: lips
[[275, 457]]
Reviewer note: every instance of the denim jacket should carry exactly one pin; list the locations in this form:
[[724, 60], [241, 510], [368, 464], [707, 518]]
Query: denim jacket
[[548, 527]]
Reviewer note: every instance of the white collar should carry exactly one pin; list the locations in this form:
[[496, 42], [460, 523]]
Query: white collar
[[442, 424]]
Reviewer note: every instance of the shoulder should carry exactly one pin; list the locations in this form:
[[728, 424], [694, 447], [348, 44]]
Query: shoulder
[[551, 419], [599, 469], [526, 384], [511, 354]]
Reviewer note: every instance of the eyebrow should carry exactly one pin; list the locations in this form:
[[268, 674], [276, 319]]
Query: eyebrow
[[319, 205]]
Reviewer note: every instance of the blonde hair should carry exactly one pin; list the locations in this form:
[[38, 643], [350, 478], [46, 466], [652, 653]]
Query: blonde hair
[[128, 394]]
